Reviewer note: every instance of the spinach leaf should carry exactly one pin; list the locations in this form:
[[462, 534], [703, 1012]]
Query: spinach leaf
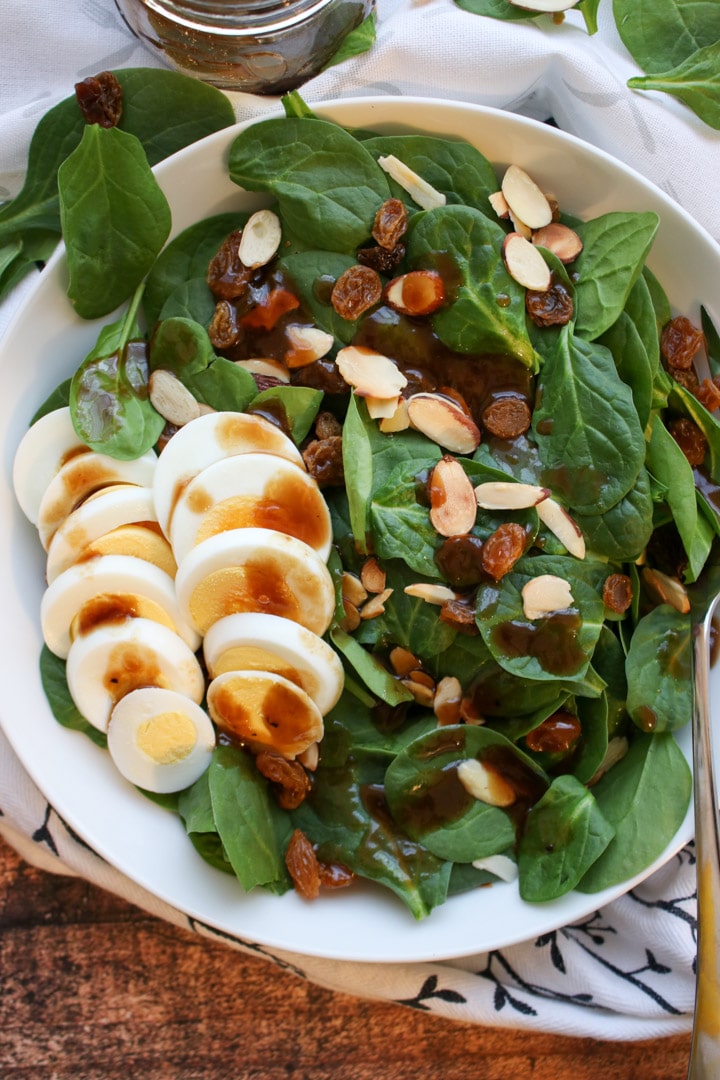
[[644, 797], [564, 834], [712, 341], [222, 385], [59, 397], [357, 42], [109, 403], [358, 467], [309, 270], [407, 620], [641, 309], [632, 362], [456, 169], [488, 312], [695, 81], [63, 708], [191, 300], [325, 182], [297, 406], [659, 671], [375, 675], [623, 531], [496, 9], [615, 247], [660, 34], [182, 346], [115, 219], [589, 438]]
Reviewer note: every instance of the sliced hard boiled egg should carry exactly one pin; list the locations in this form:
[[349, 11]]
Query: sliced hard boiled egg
[[159, 739], [257, 642], [101, 513], [105, 589], [82, 476], [44, 448], [251, 490], [142, 541], [106, 664], [206, 440], [264, 711], [254, 570]]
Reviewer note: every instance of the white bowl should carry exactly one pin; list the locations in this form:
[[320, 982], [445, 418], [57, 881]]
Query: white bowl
[[44, 345]]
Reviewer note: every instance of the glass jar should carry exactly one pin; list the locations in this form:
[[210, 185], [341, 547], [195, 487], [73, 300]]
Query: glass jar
[[259, 46]]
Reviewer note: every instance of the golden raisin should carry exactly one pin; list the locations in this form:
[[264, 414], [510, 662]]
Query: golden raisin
[[223, 330], [503, 549], [557, 734], [356, 290], [335, 875], [690, 439], [708, 394], [390, 224], [289, 779], [554, 307], [617, 593], [507, 417], [227, 276], [680, 342], [303, 866]]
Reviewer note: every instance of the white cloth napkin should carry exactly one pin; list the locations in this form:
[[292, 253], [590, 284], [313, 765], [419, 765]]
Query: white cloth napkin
[[626, 972]]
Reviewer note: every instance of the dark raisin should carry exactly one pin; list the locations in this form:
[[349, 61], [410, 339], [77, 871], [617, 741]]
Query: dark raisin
[[459, 560], [100, 99], [224, 330], [554, 307], [289, 779], [227, 276], [324, 461], [380, 259], [507, 417], [690, 439]]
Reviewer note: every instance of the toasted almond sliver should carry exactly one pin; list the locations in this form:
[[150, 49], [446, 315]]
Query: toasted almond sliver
[[520, 227], [424, 194], [403, 661], [448, 698], [560, 239], [351, 621], [500, 865], [545, 594], [559, 522], [353, 589], [485, 784], [667, 589], [171, 398], [444, 421], [399, 421], [258, 365], [525, 199], [307, 344], [422, 694], [370, 373], [382, 408], [372, 575], [310, 758], [430, 593], [499, 204], [260, 238], [525, 263], [453, 507], [508, 495], [375, 605]]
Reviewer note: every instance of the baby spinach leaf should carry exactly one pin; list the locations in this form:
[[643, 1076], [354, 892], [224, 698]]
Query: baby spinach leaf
[[357, 42], [222, 385], [182, 346], [430, 803], [186, 258], [311, 269], [195, 806], [496, 9], [623, 531], [376, 677], [456, 169], [659, 34], [297, 406], [62, 706], [109, 403], [191, 300], [615, 247], [644, 797], [115, 219], [407, 620], [325, 182], [659, 671], [712, 341], [632, 362], [695, 81], [356, 730], [59, 397], [488, 313], [564, 834], [589, 438], [358, 467]]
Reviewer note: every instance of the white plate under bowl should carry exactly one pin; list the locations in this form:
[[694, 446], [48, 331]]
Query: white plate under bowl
[[44, 345]]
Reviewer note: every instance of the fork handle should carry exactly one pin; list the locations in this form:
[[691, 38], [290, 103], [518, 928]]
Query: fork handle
[[705, 1051]]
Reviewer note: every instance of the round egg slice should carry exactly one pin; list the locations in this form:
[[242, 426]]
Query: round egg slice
[[44, 448], [257, 642], [106, 664], [80, 477], [264, 711], [159, 739], [103, 512], [251, 490], [109, 588], [254, 570], [208, 439]]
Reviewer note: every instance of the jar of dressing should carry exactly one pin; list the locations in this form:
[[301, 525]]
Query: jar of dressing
[[258, 46]]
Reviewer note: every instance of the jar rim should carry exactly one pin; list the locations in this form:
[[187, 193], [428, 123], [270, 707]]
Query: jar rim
[[238, 19]]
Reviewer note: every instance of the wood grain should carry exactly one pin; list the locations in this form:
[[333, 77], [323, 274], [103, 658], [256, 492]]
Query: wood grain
[[94, 989]]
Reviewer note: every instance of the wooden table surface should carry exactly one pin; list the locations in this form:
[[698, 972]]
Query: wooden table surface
[[91, 988]]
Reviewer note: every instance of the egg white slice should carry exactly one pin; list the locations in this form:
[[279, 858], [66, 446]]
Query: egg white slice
[[106, 664], [208, 439], [251, 490], [264, 711], [254, 570], [44, 448], [256, 642], [109, 588], [107, 509], [159, 739], [82, 476]]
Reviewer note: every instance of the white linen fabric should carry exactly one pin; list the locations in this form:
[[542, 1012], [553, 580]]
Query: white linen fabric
[[626, 972]]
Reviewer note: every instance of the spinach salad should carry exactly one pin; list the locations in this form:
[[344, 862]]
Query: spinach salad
[[567, 712]]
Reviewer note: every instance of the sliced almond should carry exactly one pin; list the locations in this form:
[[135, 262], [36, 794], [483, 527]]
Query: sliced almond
[[502, 866], [353, 589], [499, 204], [525, 264], [351, 619], [559, 522], [666, 589], [544, 6], [381, 408], [403, 661], [370, 373], [525, 199], [423, 695], [424, 194], [372, 575], [375, 605], [444, 421], [260, 238], [171, 398], [430, 593], [617, 748], [485, 784], [560, 239], [507, 495], [273, 369], [419, 292], [307, 344], [469, 712], [447, 701], [520, 227], [422, 678], [399, 421], [453, 507], [310, 758], [545, 594]]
